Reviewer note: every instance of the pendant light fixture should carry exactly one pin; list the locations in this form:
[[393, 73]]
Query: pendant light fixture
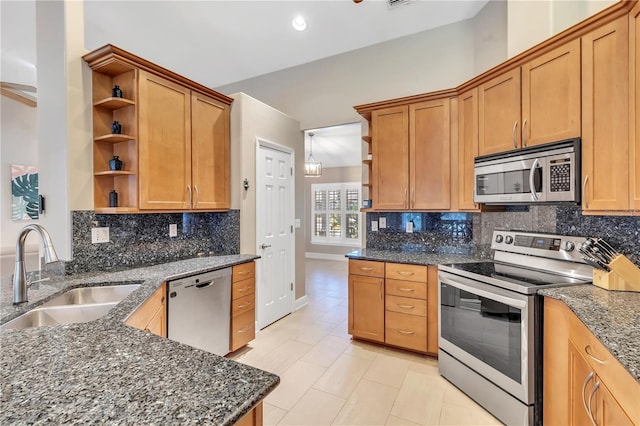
[[312, 168]]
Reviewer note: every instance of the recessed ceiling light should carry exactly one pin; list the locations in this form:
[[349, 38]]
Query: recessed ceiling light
[[299, 23]]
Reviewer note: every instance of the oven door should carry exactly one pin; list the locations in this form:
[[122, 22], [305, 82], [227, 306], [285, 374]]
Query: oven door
[[491, 330]]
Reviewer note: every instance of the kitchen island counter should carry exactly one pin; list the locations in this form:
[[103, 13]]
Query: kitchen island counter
[[107, 372], [612, 316]]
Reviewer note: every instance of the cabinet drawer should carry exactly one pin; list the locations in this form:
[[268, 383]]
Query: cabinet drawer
[[622, 385], [243, 288], [243, 304], [407, 331], [406, 305], [417, 290], [244, 271], [366, 267], [401, 271], [242, 329]]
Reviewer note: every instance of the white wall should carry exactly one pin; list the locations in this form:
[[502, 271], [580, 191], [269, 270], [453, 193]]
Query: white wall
[[490, 36], [532, 21], [251, 119], [323, 93]]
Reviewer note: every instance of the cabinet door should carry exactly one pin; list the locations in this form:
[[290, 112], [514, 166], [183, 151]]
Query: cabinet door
[[467, 148], [605, 115], [608, 412], [432, 310], [366, 307], [581, 383], [499, 113], [634, 39], [158, 323], [430, 155], [391, 158], [551, 96], [210, 156], [165, 144]]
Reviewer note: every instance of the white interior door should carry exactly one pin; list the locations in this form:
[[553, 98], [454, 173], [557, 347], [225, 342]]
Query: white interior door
[[274, 232]]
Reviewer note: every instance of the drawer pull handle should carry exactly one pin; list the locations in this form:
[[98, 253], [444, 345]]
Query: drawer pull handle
[[244, 306], [587, 349], [366, 268], [406, 290], [244, 289], [406, 306], [243, 272], [406, 273], [244, 329], [405, 332]]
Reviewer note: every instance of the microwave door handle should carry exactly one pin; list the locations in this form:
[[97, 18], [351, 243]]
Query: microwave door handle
[[532, 184]]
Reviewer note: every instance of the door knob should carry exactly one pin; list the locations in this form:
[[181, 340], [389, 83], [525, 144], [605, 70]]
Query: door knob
[[265, 246]]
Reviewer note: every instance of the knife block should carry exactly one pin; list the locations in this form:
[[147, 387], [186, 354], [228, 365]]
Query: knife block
[[624, 276]]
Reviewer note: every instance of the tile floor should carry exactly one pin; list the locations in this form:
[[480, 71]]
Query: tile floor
[[326, 378]]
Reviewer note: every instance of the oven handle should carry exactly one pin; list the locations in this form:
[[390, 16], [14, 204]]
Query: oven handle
[[496, 293]]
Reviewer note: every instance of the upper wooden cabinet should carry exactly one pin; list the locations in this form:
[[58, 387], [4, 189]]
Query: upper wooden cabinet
[[390, 149], [411, 151], [536, 103], [174, 141], [467, 148], [634, 106], [605, 118]]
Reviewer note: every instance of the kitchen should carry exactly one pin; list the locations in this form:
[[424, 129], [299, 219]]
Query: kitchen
[[536, 217]]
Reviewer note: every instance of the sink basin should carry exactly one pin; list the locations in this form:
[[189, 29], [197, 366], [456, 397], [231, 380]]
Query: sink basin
[[92, 295], [82, 304], [56, 315]]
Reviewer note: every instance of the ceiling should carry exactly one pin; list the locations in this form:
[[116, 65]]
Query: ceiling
[[222, 42]]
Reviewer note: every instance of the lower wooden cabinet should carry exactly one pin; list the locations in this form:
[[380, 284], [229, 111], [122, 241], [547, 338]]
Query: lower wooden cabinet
[[252, 418], [151, 316], [583, 383], [243, 305], [395, 304]]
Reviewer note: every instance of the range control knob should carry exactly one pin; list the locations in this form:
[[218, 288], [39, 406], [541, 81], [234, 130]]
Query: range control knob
[[499, 238], [508, 239], [569, 246]]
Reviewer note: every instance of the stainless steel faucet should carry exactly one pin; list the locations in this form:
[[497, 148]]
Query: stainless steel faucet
[[20, 273]]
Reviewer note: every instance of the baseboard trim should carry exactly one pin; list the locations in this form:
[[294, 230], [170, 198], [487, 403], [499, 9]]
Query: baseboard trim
[[325, 256], [300, 303]]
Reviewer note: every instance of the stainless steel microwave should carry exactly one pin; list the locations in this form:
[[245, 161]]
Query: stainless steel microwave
[[548, 173]]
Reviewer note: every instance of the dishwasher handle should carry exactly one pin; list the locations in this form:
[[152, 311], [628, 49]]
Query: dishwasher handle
[[204, 284]]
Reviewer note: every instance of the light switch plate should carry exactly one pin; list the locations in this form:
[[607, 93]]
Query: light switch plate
[[382, 222], [374, 225], [173, 230], [298, 224], [100, 235]]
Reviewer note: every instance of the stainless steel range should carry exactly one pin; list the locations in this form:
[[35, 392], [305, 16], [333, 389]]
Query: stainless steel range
[[490, 320]]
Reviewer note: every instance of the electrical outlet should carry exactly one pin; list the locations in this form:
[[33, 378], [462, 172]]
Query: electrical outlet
[[382, 222], [410, 226], [100, 235], [374, 225], [173, 230]]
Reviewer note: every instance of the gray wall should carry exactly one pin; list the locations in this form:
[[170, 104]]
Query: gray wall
[[329, 175]]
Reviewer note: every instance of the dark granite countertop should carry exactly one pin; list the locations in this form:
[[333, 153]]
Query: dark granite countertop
[[411, 257], [612, 316], [107, 372]]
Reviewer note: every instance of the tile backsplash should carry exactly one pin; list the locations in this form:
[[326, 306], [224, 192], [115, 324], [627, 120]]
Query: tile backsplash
[[468, 233], [143, 239]]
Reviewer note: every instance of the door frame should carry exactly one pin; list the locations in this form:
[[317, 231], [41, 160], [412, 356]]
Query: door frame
[[264, 143]]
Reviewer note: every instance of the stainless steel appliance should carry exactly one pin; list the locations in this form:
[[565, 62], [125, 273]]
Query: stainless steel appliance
[[548, 173], [490, 320], [199, 309]]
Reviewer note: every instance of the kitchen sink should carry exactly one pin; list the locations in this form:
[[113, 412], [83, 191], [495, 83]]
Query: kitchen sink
[[57, 315], [82, 304], [92, 295]]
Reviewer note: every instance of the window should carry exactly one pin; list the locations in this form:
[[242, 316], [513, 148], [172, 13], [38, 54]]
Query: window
[[335, 213]]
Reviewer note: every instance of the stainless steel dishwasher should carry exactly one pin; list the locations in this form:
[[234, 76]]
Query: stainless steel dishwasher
[[199, 310]]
